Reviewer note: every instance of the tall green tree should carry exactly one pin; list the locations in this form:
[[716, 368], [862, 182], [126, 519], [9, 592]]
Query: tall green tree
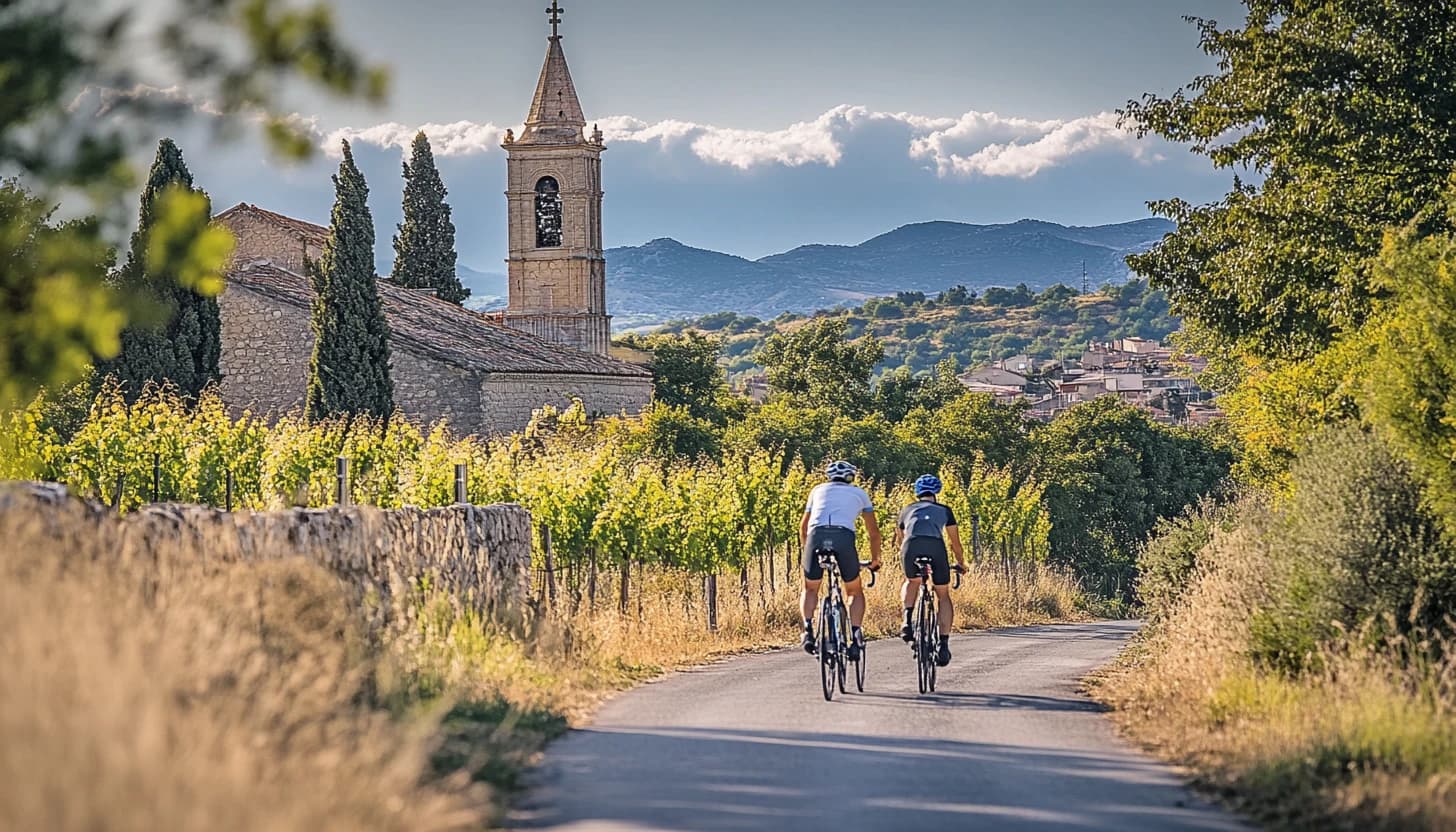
[[349, 371], [179, 340], [1345, 113], [819, 365], [237, 54], [424, 248]]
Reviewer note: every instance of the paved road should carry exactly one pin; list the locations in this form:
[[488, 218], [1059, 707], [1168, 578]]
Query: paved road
[[1006, 743]]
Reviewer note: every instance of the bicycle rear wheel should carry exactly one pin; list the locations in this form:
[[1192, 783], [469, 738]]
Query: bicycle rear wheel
[[843, 658], [828, 653], [925, 630]]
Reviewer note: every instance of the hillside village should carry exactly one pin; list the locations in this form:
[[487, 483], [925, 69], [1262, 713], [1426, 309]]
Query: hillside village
[[1139, 371]]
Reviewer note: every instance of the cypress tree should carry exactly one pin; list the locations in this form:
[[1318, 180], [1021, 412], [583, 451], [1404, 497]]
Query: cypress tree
[[179, 339], [424, 248], [349, 371]]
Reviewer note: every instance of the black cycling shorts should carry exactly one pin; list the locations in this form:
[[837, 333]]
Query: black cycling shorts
[[838, 539], [926, 547]]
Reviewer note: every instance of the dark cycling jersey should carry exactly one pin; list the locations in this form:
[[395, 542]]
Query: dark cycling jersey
[[924, 518]]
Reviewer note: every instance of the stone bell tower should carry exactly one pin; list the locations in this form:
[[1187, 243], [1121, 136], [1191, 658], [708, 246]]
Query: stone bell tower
[[557, 271]]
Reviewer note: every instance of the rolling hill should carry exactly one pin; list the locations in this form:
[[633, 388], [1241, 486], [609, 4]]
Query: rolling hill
[[665, 279]]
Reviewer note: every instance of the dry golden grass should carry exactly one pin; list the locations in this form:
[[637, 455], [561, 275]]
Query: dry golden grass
[[666, 622], [1366, 740], [249, 697], [218, 700]]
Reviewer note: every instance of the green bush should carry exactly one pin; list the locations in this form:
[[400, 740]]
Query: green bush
[[1355, 547], [1169, 564]]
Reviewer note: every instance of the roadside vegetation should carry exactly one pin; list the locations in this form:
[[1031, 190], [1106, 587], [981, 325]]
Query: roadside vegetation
[[1301, 655]]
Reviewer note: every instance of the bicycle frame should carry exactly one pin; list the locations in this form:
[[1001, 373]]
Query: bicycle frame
[[927, 625], [834, 633]]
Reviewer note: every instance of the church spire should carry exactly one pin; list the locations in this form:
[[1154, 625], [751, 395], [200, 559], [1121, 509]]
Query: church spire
[[556, 116]]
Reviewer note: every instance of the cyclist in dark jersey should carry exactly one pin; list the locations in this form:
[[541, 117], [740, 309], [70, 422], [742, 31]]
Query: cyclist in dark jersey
[[924, 529]]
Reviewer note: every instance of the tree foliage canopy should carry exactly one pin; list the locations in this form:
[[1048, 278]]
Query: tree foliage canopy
[[817, 364], [1344, 111], [424, 248], [235, 54], [182, 345], [349, 371]]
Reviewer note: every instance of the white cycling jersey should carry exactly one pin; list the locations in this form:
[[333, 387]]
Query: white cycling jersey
[[837, 504]]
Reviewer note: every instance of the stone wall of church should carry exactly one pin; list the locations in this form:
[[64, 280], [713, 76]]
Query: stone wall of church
[[266, 345], [429, 390], [510, 397], [258, 239]]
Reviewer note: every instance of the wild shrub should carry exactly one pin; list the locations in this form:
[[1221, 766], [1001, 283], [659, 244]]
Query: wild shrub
[[1170, 562], [1360, 547]]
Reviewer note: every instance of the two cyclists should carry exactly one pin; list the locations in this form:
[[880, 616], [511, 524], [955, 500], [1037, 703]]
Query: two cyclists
[[923, 530], [828, 525]]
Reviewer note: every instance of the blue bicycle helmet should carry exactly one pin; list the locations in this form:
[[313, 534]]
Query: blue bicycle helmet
[[928, 484]]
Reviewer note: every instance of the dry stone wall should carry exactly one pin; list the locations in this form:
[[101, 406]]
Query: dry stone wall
[[478, 555]]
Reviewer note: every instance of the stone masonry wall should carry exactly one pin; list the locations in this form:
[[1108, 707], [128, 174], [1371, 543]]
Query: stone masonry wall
[[479, 555], [259, 239], [432, 390], [266, 346], [510, 398]]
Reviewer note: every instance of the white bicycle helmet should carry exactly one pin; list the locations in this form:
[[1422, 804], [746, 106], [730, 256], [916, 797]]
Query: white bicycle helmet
[[841, 471]]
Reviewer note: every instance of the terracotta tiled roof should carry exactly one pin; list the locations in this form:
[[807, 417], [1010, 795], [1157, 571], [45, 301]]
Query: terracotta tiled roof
[[426, 325], [316, 234]]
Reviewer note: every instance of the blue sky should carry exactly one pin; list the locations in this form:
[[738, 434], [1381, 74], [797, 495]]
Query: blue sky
[[754, 126]]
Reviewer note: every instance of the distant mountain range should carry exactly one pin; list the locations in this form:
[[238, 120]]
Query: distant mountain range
[[665, 279]]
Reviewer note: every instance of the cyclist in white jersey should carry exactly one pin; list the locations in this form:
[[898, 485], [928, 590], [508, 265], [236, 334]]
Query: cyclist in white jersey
[[829, 518]]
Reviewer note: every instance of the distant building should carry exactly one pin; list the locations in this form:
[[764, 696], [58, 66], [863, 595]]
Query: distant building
[[995, 377], [484, 374]]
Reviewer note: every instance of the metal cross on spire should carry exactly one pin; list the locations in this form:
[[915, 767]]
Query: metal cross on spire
[[555, 11]]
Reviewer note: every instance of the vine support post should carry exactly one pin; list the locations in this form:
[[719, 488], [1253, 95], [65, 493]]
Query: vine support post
[[120, 488], [591, 578], [710, 594], [976, 538], [550, 567], [743, 588], [773, 575], [227, 489], [341, 481], [156, 475], [624, 592], [462, 485]]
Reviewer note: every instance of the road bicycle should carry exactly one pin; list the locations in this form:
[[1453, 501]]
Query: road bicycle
[[925, 643], [834, 636]]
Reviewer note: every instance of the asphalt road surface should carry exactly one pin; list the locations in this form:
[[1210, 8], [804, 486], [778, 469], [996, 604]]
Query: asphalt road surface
[[1005, 743]]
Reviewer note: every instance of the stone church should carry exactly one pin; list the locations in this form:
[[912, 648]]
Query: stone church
[[485, 373]]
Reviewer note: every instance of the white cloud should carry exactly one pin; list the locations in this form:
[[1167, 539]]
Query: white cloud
[[458, 138], [986, 144], [974, 144]]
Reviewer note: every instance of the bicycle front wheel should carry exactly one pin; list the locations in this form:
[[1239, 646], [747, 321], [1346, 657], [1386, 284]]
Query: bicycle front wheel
[[828, 653], [925, 632]]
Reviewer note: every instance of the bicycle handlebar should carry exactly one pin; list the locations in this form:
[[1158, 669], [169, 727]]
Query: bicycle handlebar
[[864, 564], [958, 571]]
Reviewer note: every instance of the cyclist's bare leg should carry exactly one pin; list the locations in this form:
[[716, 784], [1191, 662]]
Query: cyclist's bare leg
[[855, 590], [909, 591], [809, 599], [944, 609]]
